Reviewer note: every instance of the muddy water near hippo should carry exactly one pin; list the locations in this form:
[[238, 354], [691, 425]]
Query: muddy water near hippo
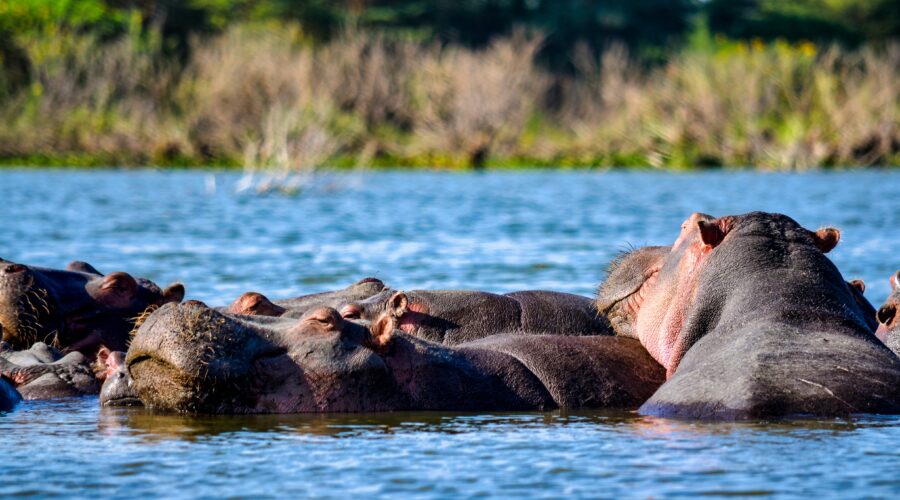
[[498, 232]]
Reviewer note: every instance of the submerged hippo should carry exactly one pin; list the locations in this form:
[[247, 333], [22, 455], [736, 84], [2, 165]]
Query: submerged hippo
[[193, 359], [888, 317], [750, 319], [9, 397], [77, 309], [117, 389], [257, 304], [452, 317], [42, 372]]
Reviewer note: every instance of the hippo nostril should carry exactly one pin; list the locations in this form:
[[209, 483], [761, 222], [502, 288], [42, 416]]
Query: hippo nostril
[[886, 314], [14, 268]]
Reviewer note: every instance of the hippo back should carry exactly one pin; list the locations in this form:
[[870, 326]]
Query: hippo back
[[583, 372], [771, 370]]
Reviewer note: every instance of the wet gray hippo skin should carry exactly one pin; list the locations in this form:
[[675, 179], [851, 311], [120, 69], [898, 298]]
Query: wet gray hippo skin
[[192, 359], [117, 387], [452, 317], [9, 397], [42, 372], [889, 317], [77, 309], [257, 304], [751, 320]]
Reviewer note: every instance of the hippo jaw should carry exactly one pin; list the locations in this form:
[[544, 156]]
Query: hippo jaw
[[629, 279], [192, 359]]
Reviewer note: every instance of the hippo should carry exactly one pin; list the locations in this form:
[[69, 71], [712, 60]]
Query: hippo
[[192, 359], [76, 309], [751, 320], [9, 397], [888, 319], [42, 372], [452, 317], [117, 389], [254, 303]]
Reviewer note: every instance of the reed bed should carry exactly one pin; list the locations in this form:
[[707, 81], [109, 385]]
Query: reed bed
[[264, 98]]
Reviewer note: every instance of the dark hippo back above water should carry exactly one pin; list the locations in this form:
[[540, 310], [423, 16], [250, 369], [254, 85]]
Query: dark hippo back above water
[[752, 320], [452, 317], [193, 359], [9, 397], [257, 304], [75, 309]]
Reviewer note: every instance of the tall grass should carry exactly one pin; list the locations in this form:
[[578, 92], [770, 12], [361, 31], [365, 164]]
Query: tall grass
[[266, 99]]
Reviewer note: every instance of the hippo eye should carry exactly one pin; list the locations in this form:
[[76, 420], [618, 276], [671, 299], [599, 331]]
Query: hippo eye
[[351, 312]]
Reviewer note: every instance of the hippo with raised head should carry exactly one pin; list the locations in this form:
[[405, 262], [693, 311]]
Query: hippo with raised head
[[751, 319], [77, 309], [193, 359], [452, 317], [42, 372], [257, 304], [889, 317]]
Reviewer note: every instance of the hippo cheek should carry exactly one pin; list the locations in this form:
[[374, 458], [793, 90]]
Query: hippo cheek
[[278, 385], [665, 306]]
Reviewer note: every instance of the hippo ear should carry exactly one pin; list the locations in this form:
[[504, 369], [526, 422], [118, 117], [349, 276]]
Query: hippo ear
[[398, 304], [116, 290], [710, 233], [826, 239], [82, 267], [173, 293], [100, 364], [860, 285], [886, 314], [895, 281], [382, 332]]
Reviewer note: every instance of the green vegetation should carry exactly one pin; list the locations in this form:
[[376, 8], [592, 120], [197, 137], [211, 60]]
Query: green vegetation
[[292, 85]]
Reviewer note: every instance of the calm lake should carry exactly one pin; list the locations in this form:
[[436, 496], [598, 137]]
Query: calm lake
[[493, 231]]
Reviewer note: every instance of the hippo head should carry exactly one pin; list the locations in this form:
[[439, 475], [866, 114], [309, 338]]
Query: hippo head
[[193, 359], [888, 317], [386, 301], [667, 297], [76, 308], [257, 304], [117, 389]]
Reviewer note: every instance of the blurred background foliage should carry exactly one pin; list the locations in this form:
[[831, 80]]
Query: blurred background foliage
[[89, 78]]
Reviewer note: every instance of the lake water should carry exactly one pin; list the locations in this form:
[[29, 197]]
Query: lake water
[[493, 231]]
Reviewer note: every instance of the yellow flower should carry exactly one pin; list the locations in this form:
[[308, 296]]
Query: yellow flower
[[807, 48]]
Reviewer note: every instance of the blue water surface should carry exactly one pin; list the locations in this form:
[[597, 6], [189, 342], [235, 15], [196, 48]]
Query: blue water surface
[[491, 231]]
